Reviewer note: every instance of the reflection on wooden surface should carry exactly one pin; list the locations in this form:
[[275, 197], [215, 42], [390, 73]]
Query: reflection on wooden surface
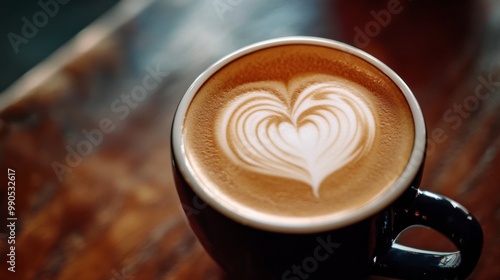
[[94, 193]]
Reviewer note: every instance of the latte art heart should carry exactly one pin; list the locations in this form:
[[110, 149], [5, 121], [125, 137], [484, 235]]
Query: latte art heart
[[303, 130]]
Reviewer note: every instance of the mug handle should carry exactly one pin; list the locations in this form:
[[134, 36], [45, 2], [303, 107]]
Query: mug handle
[[441, 214]]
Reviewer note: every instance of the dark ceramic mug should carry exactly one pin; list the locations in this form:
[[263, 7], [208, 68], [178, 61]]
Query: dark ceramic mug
[[354, 247]]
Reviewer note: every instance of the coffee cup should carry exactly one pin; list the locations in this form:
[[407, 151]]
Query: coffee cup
[[301, 158]]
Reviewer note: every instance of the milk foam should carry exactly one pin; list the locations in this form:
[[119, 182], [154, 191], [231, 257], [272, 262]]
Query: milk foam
[[305, 129]]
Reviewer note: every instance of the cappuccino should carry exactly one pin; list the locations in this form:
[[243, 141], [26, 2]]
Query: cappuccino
[[297, 131]]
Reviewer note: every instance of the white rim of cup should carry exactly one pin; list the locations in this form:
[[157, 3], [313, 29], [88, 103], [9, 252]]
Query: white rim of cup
[[276, 223]]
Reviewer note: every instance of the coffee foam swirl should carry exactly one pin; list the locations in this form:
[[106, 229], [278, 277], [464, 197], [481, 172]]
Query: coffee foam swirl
[[303, 130]]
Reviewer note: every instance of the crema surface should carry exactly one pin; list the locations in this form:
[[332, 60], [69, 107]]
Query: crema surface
[[297, 131]]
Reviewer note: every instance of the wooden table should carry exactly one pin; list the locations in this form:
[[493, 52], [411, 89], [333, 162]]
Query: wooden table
[[94, 196]]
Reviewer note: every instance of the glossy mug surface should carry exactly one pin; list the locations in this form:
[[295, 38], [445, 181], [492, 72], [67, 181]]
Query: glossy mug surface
[[300, 158]]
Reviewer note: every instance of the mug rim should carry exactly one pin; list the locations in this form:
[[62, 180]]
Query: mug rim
[[276, 223]]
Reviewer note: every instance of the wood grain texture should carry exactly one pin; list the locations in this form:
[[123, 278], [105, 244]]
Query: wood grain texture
[[115, 214]]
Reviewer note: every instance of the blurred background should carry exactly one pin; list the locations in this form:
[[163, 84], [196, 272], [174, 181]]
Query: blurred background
[[18, 55], [105, 207]]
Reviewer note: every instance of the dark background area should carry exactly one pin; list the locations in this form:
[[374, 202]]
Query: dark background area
[[67, 20]]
